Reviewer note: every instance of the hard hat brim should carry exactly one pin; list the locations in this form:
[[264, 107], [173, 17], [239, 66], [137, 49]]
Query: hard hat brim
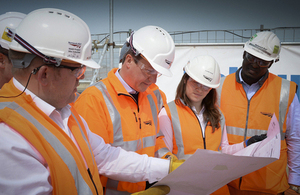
[[257, 54]]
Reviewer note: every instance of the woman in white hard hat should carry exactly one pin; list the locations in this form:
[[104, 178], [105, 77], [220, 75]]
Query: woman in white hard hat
[[193, 120]]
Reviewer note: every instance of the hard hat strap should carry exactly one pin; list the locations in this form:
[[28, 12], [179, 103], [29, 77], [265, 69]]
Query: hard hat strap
[[31, 49], [136, 53]]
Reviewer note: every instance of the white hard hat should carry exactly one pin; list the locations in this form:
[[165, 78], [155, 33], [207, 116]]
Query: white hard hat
[[56, 33], [204, 70], [9, 20], [156, 45], [264, 45]]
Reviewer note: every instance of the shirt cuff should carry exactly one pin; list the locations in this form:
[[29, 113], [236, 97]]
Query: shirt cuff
[[159, 169]]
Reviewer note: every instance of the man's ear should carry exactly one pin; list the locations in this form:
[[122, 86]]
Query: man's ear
[[244, 54], [43, 75], [128, 60], [2, 58]]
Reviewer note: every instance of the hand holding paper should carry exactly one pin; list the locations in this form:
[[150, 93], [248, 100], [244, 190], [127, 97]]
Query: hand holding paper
[[255, 138], [206, 171]]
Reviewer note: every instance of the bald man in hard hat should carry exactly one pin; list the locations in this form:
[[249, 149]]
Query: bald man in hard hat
[[249, 98], [46, 146]]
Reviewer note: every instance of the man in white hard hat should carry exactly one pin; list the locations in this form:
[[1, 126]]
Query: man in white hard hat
[[46, 147], [123, 108], [248, 99], [11, 20]]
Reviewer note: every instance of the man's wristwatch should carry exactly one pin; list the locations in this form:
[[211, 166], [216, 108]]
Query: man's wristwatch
[[295, 188]]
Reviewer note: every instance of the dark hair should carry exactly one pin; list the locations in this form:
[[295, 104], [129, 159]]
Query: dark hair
[[211, 112], [4, 51], [130, 52]]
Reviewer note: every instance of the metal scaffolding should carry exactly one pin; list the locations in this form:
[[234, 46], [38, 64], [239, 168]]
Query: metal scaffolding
[[113, 41]]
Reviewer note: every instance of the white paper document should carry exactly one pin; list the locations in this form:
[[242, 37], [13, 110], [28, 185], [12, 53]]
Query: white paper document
[[269, 147], [206, 171]]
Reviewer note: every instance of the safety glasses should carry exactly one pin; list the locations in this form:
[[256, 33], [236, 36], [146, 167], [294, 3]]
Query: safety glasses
[[145, 70], [149, 72], [77, 71], [195, 84], [262, 63]]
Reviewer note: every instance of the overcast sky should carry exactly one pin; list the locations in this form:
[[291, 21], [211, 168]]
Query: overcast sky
[[172, 15]]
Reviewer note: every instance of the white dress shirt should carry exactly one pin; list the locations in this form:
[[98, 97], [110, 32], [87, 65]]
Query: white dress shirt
[[23, 170], [127, 87]]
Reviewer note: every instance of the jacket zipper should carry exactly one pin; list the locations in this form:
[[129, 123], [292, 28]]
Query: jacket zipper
[[204, 142], [246, 128], [88, 170]]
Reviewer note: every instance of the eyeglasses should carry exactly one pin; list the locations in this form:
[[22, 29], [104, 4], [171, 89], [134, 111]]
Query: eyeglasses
[[77, 71], [262, 63], [148, 72], [195, 84]]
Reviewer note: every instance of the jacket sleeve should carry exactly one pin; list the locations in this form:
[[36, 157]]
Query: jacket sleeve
[[293, 141], [118, 164], [230, 149], [161, 148], [166, 128], [17, 177]]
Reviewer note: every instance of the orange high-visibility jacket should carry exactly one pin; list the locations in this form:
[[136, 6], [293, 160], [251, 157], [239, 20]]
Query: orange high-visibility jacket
[[69, 174], [248, 118], [188, 137], [112, 113]]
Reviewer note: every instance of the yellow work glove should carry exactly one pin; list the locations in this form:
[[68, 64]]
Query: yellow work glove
[[156, 190], [174, 163], [168, 155]]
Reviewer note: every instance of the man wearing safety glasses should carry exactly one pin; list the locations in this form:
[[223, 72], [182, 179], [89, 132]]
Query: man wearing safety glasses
[[46, 147], [123, 108], [249, 98]]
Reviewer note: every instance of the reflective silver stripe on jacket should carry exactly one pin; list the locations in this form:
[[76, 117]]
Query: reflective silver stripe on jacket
[[219, 90], [113, 112], [160, 102], [178, 131], [134, 145], [240, 131], [283, 106], [81, 186], [151, 140], [84, 137], [153, 110], [222, 124], [161, 152], [117, 127]]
